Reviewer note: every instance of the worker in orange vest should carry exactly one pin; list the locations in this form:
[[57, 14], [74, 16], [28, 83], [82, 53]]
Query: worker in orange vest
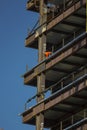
[[47, 53]]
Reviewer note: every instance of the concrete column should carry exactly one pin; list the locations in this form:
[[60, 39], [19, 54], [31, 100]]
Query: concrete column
[[41, 56]]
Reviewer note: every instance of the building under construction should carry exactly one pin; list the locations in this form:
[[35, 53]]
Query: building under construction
[[61, 41]]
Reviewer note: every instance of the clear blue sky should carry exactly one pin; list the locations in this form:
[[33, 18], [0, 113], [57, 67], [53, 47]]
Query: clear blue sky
[[14, 22]]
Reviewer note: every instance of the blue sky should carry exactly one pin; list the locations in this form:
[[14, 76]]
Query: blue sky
[[14, 22]]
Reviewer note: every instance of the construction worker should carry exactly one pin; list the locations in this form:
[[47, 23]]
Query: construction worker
[[47, 53]]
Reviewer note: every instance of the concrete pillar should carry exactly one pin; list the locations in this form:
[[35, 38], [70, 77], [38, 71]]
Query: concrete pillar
[[41, 56]]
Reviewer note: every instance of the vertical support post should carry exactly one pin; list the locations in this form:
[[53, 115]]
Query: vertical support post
[[64, 5], [63, 42], [85, 70], [72, 120], [74, 35], [61, 84], [61, 125], [52, 49], [39, 122], [41, 47], [73, 76], [41, 56], [41, 86], [42, 38], [84, 113]]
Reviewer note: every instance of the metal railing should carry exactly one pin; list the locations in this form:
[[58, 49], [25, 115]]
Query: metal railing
[[62, 80], [59, 83], [56, 11], [80, 122], [74, 121]]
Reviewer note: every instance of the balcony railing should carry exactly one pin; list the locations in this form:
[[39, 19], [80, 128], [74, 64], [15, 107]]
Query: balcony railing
[[53, 11], [61, 85]]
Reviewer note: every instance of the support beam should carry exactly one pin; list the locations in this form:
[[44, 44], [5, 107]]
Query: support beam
[[61, 110], [73, 24], [39, 122], [61, 70], [80, 97], [41, 56], [72, 104], [71, 63], [60, 31], [81, 56], [79, 15]]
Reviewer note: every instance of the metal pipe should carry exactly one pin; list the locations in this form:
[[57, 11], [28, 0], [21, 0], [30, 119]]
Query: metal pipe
[[76, 124]]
